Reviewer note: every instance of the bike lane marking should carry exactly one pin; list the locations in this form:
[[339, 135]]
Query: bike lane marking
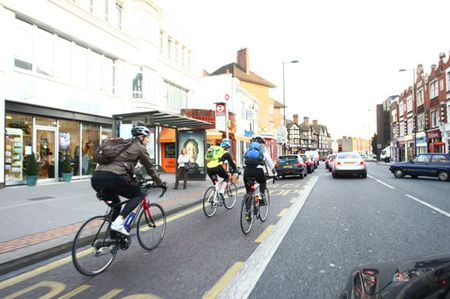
[[226, 278], [264, 234], [381, 182], [282, 212], [58, 263], [428, 205], [245, 280]]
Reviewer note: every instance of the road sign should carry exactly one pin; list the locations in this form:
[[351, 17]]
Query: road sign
[[220, 109], [227, 97]]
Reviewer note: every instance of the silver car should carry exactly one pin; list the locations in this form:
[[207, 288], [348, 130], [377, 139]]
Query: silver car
[[349, 163]]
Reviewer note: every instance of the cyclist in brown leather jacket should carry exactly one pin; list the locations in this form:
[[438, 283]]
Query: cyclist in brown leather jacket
[[115, 178]]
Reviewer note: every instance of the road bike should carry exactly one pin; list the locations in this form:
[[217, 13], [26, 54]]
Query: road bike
[[254, 205], [213, 199], [95, 245]]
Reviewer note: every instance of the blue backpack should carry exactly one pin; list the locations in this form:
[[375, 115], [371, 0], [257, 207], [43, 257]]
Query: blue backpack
[[254, 155]]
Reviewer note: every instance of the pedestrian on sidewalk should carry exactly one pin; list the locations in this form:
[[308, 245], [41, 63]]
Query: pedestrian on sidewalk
[[182, 171]]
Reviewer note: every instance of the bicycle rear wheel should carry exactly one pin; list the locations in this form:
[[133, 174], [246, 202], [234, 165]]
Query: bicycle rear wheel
[[264, 209], [210, 201], [247, 216], [94, 246], [230, 196], [151, 226]]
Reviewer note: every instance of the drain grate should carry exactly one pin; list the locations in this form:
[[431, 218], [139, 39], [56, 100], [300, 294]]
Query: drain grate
[[41, 198]]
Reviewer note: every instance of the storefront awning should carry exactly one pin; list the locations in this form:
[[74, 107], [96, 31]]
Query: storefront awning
[[161, 119], [212, 134], [167, 135]]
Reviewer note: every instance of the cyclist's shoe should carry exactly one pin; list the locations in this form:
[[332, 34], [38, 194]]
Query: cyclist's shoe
[[248, 217], [262, 201], [118, 226]]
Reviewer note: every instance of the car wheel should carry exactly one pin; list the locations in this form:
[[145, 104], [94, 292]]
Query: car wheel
[[364, 175], [334, 175], [398, 173], [443, 175], [301, 175]]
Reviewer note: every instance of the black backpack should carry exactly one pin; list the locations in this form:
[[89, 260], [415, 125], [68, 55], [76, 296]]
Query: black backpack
[[110, 149]]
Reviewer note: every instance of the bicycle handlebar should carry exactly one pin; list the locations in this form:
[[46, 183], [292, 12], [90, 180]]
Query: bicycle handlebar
[[148, 185]]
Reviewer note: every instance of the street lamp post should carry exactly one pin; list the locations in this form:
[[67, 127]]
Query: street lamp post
[[284, 103], [414, 106], [368, 132]]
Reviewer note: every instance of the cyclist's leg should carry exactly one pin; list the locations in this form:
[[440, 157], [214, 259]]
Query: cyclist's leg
[[129, 189], [224, 175], [261, 179]]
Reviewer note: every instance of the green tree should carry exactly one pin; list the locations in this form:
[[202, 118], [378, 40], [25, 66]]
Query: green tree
[[374, 143]]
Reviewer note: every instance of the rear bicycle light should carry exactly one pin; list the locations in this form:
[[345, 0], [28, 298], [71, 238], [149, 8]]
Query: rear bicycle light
[[362, 162]]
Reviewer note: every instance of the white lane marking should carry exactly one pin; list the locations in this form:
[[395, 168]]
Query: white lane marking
[[428, 205], [243, 283], [381, 182]]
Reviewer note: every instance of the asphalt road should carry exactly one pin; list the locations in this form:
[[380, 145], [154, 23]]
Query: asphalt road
[[314, 242]]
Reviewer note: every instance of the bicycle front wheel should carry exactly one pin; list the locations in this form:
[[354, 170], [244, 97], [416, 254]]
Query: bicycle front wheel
[[210, 202], [264, 209], [229, 199], [94, 247], [247, 213], [151, 226]]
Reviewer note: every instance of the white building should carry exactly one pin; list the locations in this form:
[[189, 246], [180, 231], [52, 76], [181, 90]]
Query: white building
[[67, 66], [241, 103]]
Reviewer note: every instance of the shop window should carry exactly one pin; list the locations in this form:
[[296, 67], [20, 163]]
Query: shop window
[[69, 144], [169, 150], [137, 84], [18, 143], [90, 140], [43, 121], [106, 133]]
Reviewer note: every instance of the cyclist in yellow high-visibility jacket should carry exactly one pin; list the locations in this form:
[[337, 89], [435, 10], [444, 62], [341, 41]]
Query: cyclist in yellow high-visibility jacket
[[215, 158]]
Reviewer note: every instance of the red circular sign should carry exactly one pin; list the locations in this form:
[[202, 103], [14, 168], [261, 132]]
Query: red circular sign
[[220, 108]]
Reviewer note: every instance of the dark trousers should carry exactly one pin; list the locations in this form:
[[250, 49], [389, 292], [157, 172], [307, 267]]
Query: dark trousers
[[258, 175], [114, 185], [182, 172], [218, 170]]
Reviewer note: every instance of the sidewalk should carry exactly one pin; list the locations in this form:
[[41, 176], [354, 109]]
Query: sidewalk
[[40, 222]]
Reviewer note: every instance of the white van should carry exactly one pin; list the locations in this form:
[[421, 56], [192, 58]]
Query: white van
[[386, 154]]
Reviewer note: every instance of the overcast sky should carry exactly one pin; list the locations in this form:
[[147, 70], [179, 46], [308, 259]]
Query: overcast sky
[[349, 51]]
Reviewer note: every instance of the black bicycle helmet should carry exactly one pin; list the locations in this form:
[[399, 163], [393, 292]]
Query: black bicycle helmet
[[258, 139], [140, 131]]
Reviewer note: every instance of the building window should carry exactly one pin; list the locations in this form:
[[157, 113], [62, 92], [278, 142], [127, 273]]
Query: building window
[[94, 71], [63, 60], [23, 45], [409, 104], [118, 15], [176, 97], [410, 125], [419, 97], [169, 47], [448, 80], [161, 42], [434, 118], [137, 84], [420, 122], [79, 70], [433, 89]]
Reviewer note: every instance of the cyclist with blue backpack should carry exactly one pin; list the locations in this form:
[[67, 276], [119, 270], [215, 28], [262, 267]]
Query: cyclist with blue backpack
[[256, 158], [216, 157]]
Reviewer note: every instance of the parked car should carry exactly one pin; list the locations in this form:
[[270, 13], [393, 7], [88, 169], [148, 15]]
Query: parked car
[[368, 158], [309, 163], [291, 165], [349, 163], [329, 160], [434, 165]]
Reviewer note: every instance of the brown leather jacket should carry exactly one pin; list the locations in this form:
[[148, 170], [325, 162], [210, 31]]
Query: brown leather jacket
[[128, 159]]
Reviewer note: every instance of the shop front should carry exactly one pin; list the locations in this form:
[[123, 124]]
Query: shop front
[[435, 144], [409, 146], [421, 143], [52, 136], [401, 149]]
